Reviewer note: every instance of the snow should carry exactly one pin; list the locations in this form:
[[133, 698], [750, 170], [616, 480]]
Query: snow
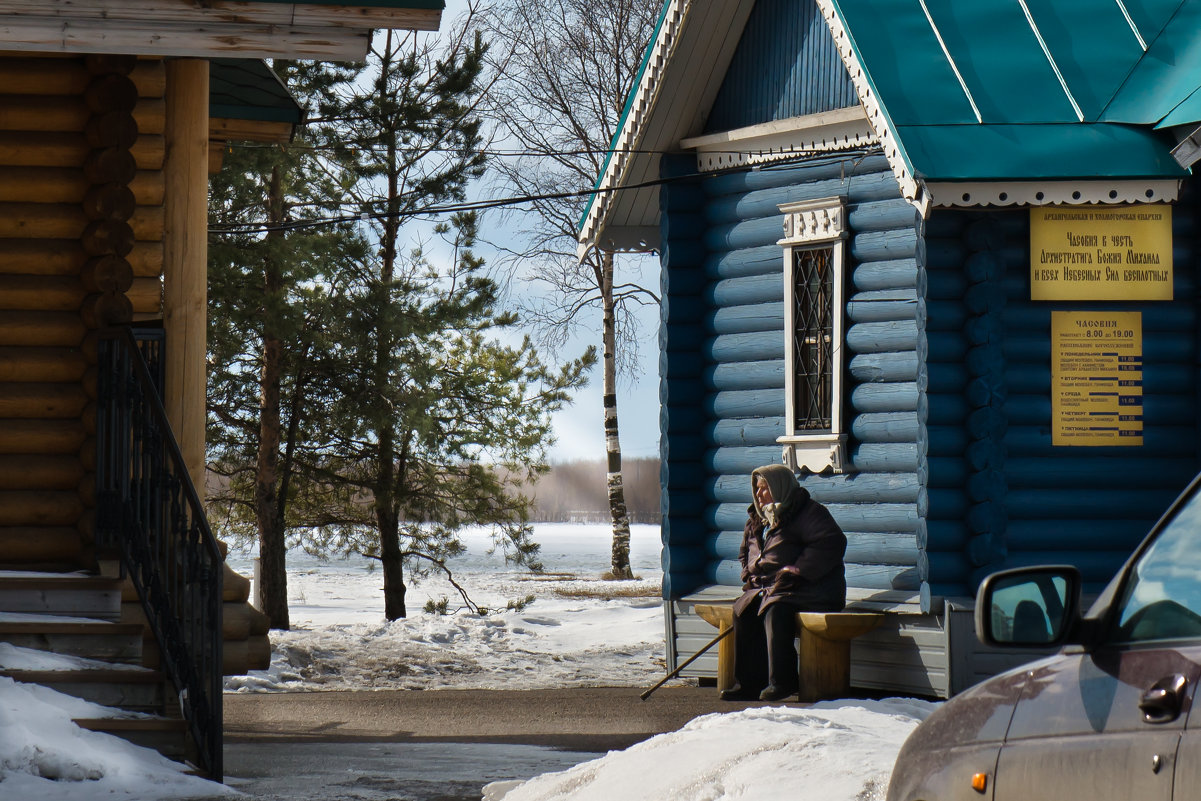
[[571, 634]]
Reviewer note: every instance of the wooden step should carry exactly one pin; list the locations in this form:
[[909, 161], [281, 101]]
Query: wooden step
[[92, 597], [168, 736], [134, 690], [112, 642]]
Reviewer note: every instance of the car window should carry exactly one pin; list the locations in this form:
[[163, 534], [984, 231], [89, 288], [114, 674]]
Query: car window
[[1162, 599]]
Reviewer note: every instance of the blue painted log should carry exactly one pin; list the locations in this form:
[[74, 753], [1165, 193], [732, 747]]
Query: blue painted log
[[683, 501], [948, 347], [946, 224], [1094, 566], [681, 559], [686, 309], [747, 291], [883, 215], [890, 274], [900, 488], [946, 471], [745, 403], [983, 329], [683, 475], [882, 311], [682, 419], [759, 232], [1075, 535], [685, 446], [946, 286], [675, 363], [868, 548], [942, 440], [885, 457], [945, 535], [1172, 410], [891, 397], [742, 432], [945, 377], [765, 260], [987, 424], [984, 299], [884, 245], [886, 427], [1022, 347], [746, 375], [734, 488], [745, 347], [987, 485], [673, 335], [683, 253], [881, 367], [867, 517], [945, 315], [762, 202], [945, 566], [1136, 470], [1101, 502], [945, 258], [748, 319], [987, 518], [947, 503], [986, 390], [741, 460], [883, 337], [871, 577], [874, 295], [943, 410], [724, 545], [985, 268], [741, 182]]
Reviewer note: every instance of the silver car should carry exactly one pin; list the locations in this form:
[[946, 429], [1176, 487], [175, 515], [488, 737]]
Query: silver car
[[1107, 717]]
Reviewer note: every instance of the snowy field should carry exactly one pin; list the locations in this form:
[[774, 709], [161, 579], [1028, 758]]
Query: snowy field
[[571, 634]]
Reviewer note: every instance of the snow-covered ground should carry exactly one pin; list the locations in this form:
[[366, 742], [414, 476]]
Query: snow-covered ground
[[571, 634]]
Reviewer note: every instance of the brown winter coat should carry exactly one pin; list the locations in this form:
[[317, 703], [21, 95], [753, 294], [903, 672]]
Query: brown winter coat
[[798, 562]]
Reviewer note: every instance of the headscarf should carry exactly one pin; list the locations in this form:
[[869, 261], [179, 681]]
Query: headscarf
[[784, 492]]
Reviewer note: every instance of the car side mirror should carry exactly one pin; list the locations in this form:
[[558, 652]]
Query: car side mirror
[[1029, 607]]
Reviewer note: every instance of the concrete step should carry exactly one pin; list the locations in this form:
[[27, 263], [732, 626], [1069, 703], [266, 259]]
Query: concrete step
[[168, 736], [112, 642], [133, 690], [68, 595]]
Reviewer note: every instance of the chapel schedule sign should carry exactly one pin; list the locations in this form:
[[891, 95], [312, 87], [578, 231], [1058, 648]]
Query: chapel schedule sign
[[1101, 253], [1096, 378]]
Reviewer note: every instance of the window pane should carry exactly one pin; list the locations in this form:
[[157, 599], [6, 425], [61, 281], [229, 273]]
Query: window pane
[[813, 294]]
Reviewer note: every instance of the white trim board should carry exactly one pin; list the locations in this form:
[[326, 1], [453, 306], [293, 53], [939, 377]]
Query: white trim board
[[842, 129]]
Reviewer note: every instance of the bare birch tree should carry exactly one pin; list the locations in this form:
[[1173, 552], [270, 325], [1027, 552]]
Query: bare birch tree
[[561, 79]]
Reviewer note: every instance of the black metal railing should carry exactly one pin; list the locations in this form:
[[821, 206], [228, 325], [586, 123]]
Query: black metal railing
[[147, 510]]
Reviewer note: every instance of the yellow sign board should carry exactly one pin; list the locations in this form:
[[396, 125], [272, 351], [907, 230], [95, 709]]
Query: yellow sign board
[[1096, 378], [1101, 253]]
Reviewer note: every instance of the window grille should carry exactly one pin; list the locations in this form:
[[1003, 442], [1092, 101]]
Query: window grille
[[813, 339]]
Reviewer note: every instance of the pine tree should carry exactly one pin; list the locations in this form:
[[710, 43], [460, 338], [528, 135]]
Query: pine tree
[[266, 307]]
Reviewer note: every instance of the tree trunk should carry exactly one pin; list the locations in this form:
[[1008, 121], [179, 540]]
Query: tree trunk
[[272, 542], [617, 497], [394, 584]]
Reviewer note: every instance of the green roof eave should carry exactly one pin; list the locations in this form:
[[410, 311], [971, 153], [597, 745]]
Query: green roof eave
[[247, 89], [625, 113], [1045, 152]]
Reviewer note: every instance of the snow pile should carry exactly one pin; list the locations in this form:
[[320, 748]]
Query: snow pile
[[45, 756], [835, 750]]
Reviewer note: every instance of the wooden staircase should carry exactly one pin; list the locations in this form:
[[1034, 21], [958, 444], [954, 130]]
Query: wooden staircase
[[78, 616]]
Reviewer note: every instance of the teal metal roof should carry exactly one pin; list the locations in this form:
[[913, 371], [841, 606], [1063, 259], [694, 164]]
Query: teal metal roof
[[993, 90], [247, 89]]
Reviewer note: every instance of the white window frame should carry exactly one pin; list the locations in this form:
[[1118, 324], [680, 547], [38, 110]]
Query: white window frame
[[812, 225]]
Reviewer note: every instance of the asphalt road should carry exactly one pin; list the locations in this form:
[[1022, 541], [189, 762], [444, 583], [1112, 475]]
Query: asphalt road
[[586, 719]]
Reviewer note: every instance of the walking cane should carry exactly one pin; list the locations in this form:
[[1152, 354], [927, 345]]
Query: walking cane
[[686, 663]]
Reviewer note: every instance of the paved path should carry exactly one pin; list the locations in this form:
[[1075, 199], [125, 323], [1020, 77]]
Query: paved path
[[587, 719]]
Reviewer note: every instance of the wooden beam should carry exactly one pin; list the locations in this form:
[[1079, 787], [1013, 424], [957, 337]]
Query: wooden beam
[[185, 246], [225, 13], [228, 130], [50, 185]]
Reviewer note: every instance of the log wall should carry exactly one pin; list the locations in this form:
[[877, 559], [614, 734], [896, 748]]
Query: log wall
[[81, 229]]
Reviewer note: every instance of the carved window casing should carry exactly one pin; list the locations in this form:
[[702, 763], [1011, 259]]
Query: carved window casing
[[814, 257]]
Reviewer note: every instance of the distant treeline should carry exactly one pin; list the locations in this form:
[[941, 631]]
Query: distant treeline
[[576, 492]]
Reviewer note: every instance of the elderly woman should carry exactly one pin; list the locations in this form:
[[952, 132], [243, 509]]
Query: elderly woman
[[791, 559]]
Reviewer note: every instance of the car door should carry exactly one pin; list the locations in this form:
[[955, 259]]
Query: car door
[[1106, 722]]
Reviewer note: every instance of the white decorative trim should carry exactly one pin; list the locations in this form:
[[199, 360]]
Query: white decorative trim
[[911, 190], [815, 452], [1032, 193], [813, 221], [841, 129], [661, 53]]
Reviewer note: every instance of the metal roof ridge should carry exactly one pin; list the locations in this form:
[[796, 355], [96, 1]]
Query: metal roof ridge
[[1146, 51], [950, 60]]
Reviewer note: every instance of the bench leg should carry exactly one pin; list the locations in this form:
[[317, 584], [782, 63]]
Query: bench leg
[[825, 667], [725, 660]]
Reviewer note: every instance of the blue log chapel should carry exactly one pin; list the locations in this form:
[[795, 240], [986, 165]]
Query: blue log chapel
[[942, 259]]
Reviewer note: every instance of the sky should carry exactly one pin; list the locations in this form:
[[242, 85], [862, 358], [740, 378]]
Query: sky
[[579, 429], [568, 636]]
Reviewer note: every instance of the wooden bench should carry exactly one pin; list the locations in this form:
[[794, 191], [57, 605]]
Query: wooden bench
[[825, 648]]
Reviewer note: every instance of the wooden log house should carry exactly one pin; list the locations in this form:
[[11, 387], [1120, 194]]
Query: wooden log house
[[112, 115], [888, 233]]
